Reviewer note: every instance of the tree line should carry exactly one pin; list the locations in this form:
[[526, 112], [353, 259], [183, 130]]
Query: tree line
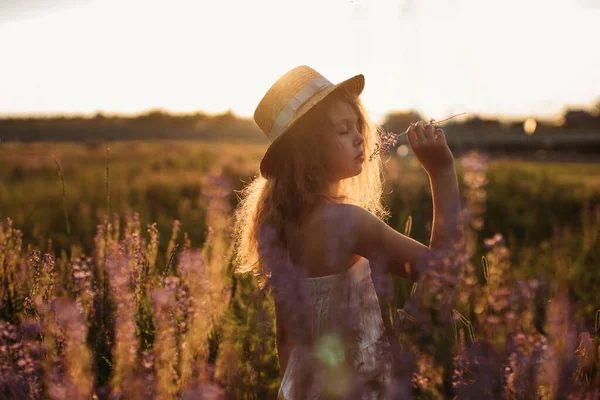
[[160, 125]]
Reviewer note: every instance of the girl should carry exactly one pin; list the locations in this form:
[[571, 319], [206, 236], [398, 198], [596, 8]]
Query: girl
[[311, 227]]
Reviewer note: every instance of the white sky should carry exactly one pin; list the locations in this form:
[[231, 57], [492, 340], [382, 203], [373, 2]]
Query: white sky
[[511, 57]]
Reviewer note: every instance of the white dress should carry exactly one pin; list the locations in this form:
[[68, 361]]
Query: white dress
[[373, 346]]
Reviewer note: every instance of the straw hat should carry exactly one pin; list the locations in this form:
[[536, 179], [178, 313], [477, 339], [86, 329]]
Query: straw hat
[[291, 97]]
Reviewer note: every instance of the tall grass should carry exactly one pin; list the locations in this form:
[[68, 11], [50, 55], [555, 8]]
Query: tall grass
[[112, 325], [133, 316]]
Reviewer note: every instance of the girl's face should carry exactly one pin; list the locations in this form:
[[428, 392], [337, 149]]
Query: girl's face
[[346, 141]]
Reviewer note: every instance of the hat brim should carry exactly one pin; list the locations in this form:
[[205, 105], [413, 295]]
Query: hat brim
[[354, 85]]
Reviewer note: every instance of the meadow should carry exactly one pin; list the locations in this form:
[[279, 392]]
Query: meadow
[[117, 278]]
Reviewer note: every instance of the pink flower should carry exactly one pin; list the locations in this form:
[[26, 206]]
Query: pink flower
[[491, 242]]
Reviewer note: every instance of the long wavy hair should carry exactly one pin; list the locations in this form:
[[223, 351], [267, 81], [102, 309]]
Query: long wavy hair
[[300, 182]]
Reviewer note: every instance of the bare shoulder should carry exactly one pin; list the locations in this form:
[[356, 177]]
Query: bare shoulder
[[335, 212], [350, 222], [342, 216], [350, 213], [329, 238]]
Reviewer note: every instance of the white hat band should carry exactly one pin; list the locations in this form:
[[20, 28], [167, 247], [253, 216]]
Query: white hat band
[[286, 115]]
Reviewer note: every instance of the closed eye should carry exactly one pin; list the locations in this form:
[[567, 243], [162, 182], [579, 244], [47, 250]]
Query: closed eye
[[346, 129]]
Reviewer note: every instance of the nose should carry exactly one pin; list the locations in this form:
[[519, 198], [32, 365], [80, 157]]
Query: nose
[[359, 140]]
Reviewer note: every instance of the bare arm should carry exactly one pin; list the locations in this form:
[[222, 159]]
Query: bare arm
[[444, 233], [376, 241], [446, 209], [383, 245], [283, 339], [284, 350]]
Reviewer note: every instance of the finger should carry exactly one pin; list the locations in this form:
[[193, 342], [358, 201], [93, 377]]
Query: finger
[[419, 129], [428, 132], [412, 135], [440, 135]]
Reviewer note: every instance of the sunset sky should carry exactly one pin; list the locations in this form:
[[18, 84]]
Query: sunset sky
[[515, 58]]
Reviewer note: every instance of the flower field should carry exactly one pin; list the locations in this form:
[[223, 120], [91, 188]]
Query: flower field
[[117, 279]]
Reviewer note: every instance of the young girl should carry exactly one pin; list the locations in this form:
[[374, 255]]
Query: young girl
[[311, 228]]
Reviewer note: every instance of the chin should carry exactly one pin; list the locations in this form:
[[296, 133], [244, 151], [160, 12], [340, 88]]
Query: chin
[[351, 171], [357, 172]]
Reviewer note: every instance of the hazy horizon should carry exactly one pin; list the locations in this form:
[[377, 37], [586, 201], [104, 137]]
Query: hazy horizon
[[500, 117]]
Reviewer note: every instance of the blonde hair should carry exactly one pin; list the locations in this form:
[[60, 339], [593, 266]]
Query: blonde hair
[[298, 183]]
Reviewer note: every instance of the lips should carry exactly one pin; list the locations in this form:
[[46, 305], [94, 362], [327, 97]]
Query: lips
[[361, 156]]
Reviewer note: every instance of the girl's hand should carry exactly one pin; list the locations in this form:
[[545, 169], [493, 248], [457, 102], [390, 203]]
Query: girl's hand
[[430, 147]]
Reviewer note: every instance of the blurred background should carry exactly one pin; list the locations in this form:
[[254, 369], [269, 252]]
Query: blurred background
[[117, 113]]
